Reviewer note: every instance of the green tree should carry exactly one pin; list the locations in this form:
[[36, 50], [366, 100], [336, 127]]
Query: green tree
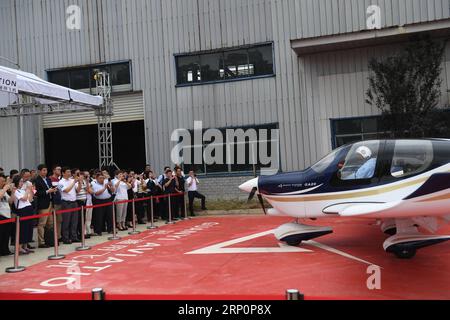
[[406, 87]]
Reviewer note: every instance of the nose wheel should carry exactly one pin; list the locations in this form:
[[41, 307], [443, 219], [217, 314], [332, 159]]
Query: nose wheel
[[403, 252]]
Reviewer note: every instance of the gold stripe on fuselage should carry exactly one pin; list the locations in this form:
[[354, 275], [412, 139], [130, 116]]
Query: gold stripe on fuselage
[[441, 197], [339, 196]]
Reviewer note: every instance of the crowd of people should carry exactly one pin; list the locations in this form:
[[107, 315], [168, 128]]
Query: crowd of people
[[30, 192]]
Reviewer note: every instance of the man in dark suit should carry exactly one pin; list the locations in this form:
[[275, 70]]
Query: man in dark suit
[[44, 193]]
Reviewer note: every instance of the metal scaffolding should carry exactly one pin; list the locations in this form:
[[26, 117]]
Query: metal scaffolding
[[34, 104], [104, 114]]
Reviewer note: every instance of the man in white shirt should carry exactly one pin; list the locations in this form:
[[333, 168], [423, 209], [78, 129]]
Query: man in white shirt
[[192, 185], [68, 201], [102, 191]]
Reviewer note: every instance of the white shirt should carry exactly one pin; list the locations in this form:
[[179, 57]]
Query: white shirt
[[5, 210], [193, 186], [135, 186], [96, 187], [121, 190], [20, 193], [67, 196]]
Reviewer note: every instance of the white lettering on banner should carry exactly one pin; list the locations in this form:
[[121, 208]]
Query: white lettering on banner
[[96, 263], [8, 82], [58, 282], [35, 290], [97, 269], [110, 260]]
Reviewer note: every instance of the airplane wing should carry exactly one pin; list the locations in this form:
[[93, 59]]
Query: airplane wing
[[357, 209]]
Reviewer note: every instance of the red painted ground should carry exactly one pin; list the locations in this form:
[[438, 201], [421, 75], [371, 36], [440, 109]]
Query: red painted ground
[[166, 272]]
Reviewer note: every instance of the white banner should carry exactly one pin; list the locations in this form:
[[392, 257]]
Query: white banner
[[8, 82]]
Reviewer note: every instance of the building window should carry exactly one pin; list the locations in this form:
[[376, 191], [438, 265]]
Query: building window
[[82, 78], [252, 161], [225, 65], [357, 129], [350, 130]]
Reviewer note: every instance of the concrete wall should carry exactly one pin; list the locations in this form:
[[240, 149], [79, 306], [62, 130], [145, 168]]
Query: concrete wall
[[224, 188]]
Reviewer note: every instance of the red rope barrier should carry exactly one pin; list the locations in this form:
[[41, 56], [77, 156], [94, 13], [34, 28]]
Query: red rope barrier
[[37, 216], [7, 221]]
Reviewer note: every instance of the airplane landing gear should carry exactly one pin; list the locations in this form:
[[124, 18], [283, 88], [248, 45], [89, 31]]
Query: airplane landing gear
[[295, 233], [402, 252], [405, 243], [406, 246]]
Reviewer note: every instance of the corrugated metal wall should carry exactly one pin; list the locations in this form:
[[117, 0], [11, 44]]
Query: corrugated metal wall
[[150, 32], [9, 144], [129, 107]]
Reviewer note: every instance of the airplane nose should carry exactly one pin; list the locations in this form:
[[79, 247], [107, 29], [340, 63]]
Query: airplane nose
[[249, 185]]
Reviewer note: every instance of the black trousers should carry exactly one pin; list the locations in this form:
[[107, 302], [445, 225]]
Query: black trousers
[[26, 227], [69, 226], [5, 234], [192, 195], [140, 210], [181, 204], [131, 196], [102, 216]]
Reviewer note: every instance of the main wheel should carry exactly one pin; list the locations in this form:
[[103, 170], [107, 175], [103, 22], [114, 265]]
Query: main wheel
[[405, 253], [294, 243]]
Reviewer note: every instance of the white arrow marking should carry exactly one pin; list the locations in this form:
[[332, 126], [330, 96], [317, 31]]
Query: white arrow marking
[[220, 247]]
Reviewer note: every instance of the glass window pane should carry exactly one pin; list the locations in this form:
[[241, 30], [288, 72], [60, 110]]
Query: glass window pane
[[370, 125], [120, 74], [80, 79], [261, 59], [361, 161], [59, 77], [212, 67], [188, 69], [411, 157], [236, 64], [348, 126], [343, 140]]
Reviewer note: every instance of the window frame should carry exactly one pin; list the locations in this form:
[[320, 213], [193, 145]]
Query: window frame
[[230, 172], [224, 50], [90, 68]]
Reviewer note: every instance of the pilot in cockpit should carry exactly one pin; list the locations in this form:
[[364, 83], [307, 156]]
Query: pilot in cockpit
[[367, 170], [359, 165]]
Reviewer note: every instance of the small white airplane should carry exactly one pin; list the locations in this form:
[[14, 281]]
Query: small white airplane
[[404, 184]]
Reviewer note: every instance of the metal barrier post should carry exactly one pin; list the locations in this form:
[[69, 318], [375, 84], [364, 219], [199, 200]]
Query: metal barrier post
[[170, 211], [114, 236], [56, 255], [134, 219], [294, 294], [186, 203], [152, 221], [83, 246], [98, 294], [16, 267]]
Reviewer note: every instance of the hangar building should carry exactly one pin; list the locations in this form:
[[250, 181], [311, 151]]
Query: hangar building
[[296, 65]]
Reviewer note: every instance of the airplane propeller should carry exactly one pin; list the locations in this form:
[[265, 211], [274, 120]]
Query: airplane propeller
[[252, 194], [261, 201]]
